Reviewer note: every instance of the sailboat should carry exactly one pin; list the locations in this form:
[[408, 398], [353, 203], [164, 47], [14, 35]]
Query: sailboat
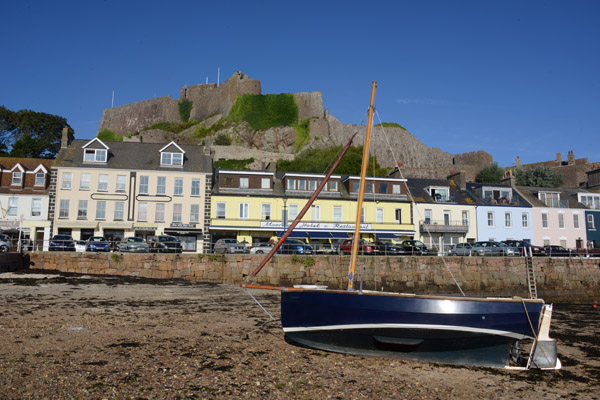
[[442, 329]]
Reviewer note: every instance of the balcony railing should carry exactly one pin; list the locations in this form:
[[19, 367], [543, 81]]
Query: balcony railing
[[443, 226]]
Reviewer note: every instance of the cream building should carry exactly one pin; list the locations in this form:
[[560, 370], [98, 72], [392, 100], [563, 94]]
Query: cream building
[[120, 189]]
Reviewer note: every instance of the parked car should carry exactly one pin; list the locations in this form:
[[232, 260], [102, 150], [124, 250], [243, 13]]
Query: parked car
[[557, 251], [261, 248], [26, 244], [61, 243], [390, 248], [326, 249], [230, 246], [133, 245], [465, 249], [416, 248], [294, 246], [491, 248], [364, 247], [97, 244], [525, 247], [165, 244], [80, 245], [5, 245]]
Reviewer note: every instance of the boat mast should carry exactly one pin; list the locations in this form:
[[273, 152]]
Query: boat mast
[[363, 174]]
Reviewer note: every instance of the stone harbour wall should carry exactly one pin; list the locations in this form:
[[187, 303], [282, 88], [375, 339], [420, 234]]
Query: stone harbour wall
[[572, 280]]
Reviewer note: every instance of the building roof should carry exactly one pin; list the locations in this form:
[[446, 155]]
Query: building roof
[[134, 156], [29, 164], [418, 188], [530, 193]]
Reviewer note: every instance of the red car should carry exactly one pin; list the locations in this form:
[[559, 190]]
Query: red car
[[364, 247]]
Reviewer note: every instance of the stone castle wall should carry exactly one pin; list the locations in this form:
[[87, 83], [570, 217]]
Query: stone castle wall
[[558, 280], [134, 117]]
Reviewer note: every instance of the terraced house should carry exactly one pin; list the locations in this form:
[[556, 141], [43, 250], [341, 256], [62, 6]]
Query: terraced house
[[255, 206], [120, 189]]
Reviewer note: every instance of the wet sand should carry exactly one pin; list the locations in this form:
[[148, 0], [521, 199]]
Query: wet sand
[[122, 338]]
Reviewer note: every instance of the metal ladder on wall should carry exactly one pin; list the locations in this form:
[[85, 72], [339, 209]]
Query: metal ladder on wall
[[530, 275]]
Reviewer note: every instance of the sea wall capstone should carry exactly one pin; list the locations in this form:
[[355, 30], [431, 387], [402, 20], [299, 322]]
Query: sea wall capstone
[[573, 280]]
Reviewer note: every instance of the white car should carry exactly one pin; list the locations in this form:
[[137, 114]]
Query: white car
[[261, 248], [80, 246]]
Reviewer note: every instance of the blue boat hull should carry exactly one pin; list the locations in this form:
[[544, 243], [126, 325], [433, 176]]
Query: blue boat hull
[[466, 331]]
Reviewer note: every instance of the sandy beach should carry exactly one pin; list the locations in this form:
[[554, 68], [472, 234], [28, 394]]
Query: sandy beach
[[92, 337]]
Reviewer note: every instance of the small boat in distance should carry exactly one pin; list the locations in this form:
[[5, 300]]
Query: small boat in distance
[[444, 329]]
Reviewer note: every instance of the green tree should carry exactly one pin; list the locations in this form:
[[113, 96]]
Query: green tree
[[32, 134], [490, 174], [539, 176], [321, 160]]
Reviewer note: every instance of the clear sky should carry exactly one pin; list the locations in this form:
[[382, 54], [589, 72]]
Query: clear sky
[[511, 77]]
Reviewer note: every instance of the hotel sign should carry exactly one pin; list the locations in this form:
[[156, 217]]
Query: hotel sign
[[278, 225]]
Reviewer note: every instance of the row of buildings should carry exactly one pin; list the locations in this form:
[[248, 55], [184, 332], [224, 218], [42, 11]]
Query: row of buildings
[[120, 189]]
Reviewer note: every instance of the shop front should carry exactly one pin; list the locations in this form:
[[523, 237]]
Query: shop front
[[188, 234]]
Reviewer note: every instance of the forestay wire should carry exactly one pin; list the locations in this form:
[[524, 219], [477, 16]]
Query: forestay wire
[[412, 200]]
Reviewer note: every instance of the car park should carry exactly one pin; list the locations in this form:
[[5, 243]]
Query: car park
[[525, 248], [61, 243], [364, 247], [261, 248], [390, 248], [416, 248], [133, 245], [165, 244], [229, 246], [97, 244], [294, 246], [557, 251]]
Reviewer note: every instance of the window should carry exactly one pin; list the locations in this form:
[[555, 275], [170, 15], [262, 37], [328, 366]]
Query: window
[[40, 179], [550, 199], [446, 217], [302, 184], [195, 187], [370, 187], [561, 221], [195, 213], [36, 207], [178, 187], [525, 220], [63, 209], [94, 155], [291, 184], [333, 186], [159, 212], [546, 242], [244, 211], [101, 210], [507, 220], [383, 187], [13, 205], [465, 218], [84, 182], [563, 243], [221, 211], [362, 215], [315, 212], [379, 215], [439, 193], [396, 189], [266, 211], [427, 217], [177, 212], [171, 159], [590, 222], [66, 180], [103, 183], [312, 185], [490, 218], [265, 183], [82, 209], [398, 215], [121, 183], [244, 184], [544, 220], [142, 212], [161, 185], [143, 184], [17, 178], [119, 210], [576, 221], [337, 213], [293, 213]]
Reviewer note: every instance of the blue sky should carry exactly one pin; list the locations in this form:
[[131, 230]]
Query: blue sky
[[513, 78]]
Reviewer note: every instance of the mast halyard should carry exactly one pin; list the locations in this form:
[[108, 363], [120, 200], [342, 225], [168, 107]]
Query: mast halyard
[[363, 174]]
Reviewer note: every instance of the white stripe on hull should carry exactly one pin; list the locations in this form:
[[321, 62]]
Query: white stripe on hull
[[408, 326]]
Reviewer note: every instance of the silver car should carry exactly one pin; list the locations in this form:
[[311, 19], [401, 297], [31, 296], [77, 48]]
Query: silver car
[[465, 249], [133, 245], [230, 246], [491, 248], [261, 248]]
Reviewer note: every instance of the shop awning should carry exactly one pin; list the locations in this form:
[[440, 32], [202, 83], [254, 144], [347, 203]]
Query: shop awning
[[339, 235], [295, 235], [183, 231], [319, 235], [385, 236]]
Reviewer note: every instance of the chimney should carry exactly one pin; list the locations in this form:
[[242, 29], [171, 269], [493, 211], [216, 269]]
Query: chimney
[[559, 158], [518, 161], [571, 158], [459, 178], [509, 179], [67, 137]]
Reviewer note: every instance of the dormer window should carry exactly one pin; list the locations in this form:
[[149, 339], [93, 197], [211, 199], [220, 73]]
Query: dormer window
[[439, 193], [171, 159], [17, 178], [551, 199], [40, 179], [95, 155]]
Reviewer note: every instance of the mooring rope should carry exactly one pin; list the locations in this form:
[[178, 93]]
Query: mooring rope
[[260, 305]]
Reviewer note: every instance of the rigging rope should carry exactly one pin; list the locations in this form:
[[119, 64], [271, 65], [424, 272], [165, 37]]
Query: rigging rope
[[412, 200]]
